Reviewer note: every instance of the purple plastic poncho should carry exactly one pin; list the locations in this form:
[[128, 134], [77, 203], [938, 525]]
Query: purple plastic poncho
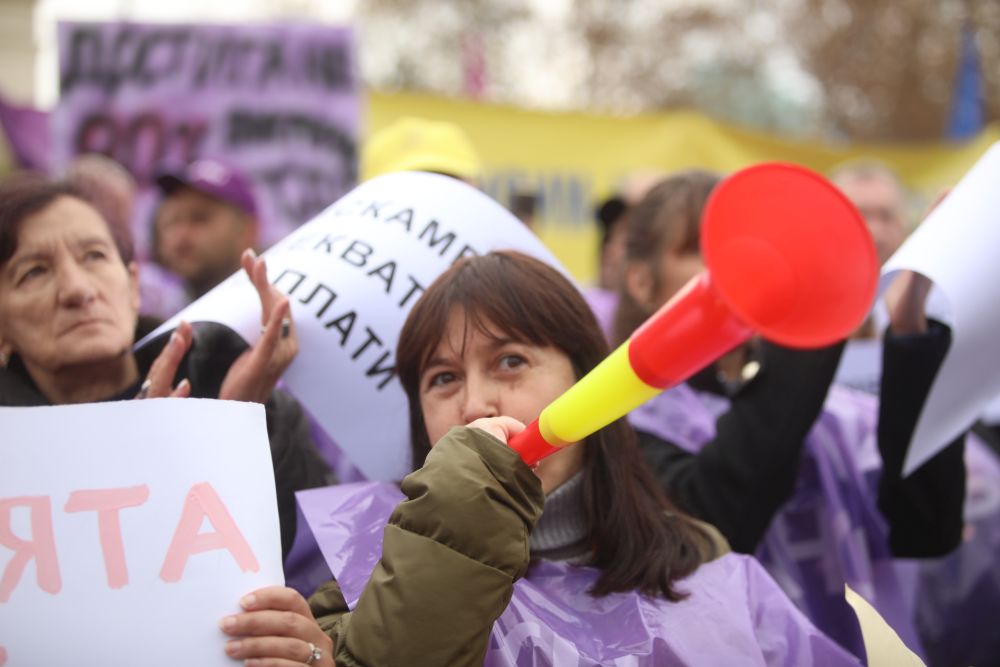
[[958, 596], [735, 613], [830, 532]]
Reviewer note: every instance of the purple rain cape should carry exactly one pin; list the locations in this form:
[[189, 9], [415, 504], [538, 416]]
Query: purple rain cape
[[958, 596], [830, 532], [735, 613]]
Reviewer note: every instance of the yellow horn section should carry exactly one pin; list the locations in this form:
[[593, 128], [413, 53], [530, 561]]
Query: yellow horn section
[[610, 390]]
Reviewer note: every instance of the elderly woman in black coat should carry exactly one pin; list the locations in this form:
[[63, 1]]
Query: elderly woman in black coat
[[69, 304]]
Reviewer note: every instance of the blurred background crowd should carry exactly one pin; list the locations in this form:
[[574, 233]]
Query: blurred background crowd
[[652, 85], [197, 129]]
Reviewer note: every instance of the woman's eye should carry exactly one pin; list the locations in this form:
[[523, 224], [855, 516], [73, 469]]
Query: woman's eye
[[509, 362], [31, 273], [201, 216], [92, 255], [441, 379]]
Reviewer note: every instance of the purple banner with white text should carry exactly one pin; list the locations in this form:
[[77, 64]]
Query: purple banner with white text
[[281, 101]]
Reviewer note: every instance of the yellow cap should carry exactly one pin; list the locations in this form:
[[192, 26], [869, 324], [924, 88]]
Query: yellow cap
[[416, 144]]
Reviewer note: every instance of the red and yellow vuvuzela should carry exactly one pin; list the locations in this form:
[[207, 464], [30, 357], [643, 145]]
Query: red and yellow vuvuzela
[[788, 256]]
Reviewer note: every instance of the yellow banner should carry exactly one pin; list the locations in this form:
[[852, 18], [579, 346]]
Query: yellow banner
[[574, 160]]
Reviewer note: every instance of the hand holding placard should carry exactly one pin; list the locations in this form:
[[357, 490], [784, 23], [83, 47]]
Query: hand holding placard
[[955, 247], [261, 633], [132, 524]]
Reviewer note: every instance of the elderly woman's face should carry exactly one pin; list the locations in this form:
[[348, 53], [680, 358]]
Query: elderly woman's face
[[66, 298]]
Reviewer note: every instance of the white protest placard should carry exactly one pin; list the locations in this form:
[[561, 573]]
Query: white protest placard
[[956, 247], [129, 529], [352, 275]]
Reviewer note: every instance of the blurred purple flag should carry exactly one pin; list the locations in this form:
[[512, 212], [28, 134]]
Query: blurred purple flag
[[27, 132], [966, 118]]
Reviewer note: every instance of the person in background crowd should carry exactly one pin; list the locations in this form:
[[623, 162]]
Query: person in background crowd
[[206, 219], [524, 206], [418, 144], [107, 186], [612, 217], [112, 191], [880, 198], [754, 445], [69, 303], [953, 593], [493, 341]]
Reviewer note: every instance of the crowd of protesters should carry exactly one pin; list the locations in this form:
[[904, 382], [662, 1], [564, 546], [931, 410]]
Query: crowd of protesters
[[730, 511]]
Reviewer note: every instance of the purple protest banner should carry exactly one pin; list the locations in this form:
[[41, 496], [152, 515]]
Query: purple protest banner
[[281, 101], [735, 613], [27, 132]]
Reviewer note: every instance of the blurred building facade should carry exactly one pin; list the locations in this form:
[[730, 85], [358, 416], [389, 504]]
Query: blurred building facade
[[18, 51]]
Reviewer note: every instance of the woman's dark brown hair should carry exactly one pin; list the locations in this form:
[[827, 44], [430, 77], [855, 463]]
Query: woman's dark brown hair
[[641, 542], [25, 194], [667, 218]]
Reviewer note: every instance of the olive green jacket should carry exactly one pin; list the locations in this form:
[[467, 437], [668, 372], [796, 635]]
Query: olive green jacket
[[468, 514]]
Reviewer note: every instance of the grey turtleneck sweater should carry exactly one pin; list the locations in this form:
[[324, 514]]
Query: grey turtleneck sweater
[[561, 533]]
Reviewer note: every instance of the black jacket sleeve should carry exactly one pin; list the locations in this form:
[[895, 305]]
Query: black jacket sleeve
[[924, 510], [740, 479], [297, 464]]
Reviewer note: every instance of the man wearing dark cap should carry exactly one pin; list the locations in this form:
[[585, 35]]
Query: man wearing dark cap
[[207, 218]]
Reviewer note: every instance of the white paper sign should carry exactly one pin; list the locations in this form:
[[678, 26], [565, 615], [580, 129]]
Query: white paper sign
[[353, 273], [129, 529], [958, 247]]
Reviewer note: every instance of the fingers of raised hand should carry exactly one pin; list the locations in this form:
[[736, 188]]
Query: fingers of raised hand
[[277, 328], [278, 345], [161, 374], [182, 390], [906, 301], [256, 269]]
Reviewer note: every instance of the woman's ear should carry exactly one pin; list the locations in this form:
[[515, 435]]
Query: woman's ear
[[5, 351], [639, 284]]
